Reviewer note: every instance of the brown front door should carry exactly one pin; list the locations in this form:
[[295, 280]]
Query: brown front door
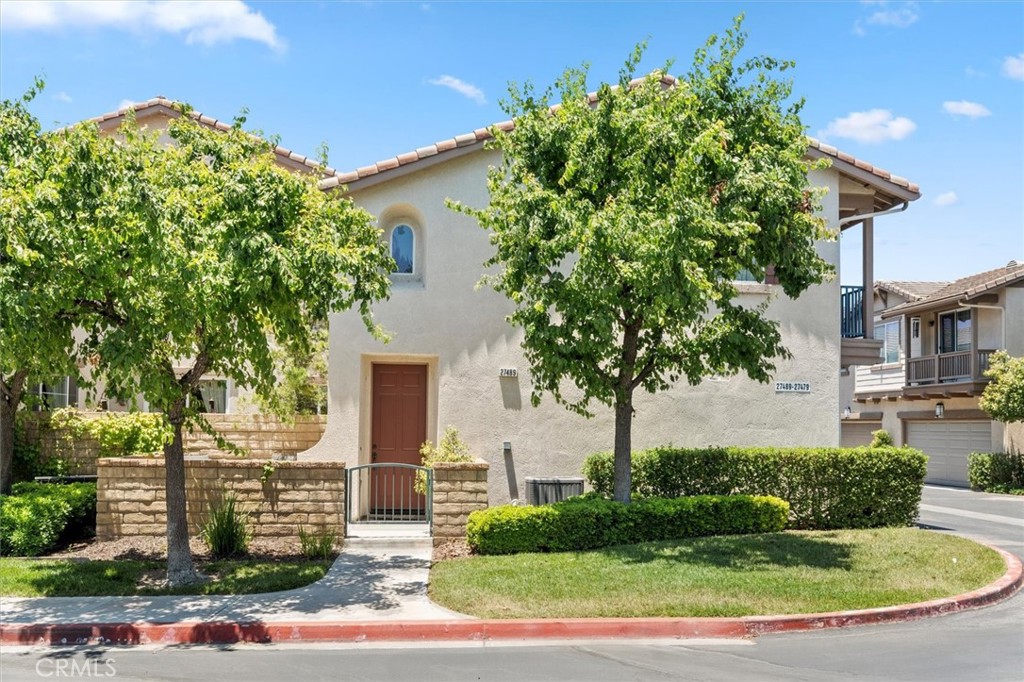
[[399, 429]]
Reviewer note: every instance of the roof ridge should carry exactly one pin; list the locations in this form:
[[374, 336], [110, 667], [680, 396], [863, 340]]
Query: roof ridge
[[211, 122], [969, 285], [481, 135]]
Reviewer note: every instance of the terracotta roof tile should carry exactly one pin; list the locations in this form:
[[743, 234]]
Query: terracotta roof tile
[[478, 136], [482, 134], [171, 108], [864, 165]]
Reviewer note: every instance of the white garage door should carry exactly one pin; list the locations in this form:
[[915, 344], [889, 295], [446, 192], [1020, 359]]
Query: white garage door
[[947, 444], [855, 434]]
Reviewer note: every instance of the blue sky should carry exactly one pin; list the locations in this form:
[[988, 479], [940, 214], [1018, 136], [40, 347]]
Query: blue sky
[[930, 91]]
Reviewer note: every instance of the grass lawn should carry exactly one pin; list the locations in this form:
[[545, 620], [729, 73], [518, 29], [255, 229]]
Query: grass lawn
[[777, 573], [69, 578]]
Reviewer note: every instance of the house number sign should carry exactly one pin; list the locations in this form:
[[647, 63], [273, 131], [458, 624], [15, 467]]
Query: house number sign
[[792, 387], [508, 372]]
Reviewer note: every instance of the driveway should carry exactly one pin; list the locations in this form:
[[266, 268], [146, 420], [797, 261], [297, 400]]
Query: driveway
[[996, 519]]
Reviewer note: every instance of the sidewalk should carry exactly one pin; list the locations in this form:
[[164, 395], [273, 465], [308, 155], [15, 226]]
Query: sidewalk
[[377, 591]]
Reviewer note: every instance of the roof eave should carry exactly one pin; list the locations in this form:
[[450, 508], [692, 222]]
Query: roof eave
[[895, 188]]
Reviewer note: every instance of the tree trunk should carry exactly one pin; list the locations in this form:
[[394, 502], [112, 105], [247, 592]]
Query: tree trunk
[[623, 451], [180, 568], [10, 397]]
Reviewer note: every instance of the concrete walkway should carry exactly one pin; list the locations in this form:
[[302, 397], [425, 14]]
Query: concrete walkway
[[370, 580]]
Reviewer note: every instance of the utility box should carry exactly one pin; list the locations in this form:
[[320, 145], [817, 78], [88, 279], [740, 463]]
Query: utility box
[[552, 488]]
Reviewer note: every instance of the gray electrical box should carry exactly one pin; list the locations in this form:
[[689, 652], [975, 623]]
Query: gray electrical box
[[552, 488]]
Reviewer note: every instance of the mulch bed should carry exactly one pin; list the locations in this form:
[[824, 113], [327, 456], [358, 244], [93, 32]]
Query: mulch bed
[[452, 549], [155, 549], [261, 549]]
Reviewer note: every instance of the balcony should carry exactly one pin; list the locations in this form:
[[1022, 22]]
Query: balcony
[[854, 348], [851, 312], [946, 375]]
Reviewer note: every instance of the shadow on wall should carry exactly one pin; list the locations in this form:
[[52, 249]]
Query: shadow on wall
[[510, 475], [511, 395]]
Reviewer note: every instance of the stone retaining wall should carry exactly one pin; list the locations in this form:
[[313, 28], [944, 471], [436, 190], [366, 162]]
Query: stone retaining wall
[[459, 489], [131, 500], [262, 435]]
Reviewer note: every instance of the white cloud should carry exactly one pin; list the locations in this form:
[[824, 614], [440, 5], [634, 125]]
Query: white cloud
[[975, 73], [946, 199], [1013, 67], [125, 103], [871, 127], [207, 23], [965, 108], [900, 15], [462, 87], [62, 97]]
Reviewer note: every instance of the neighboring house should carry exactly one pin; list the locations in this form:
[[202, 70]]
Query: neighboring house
[[454, 360], [936, 340], [219, 394]]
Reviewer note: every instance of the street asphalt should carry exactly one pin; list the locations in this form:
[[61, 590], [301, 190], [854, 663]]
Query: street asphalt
[[984, 644]]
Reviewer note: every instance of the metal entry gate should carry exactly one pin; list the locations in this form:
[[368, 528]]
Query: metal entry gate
[[387, 493]]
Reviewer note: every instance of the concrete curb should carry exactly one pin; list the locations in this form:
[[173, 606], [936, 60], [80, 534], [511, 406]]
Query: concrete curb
[[483, 630]]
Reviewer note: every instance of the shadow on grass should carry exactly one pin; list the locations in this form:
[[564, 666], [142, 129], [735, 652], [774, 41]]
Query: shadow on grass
[[145, 578], [84, 578], [783, 550]]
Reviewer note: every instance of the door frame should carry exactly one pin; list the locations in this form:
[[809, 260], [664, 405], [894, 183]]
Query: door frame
[[367, 361]]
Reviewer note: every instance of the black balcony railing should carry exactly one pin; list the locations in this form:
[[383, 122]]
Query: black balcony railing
[[851, 311]]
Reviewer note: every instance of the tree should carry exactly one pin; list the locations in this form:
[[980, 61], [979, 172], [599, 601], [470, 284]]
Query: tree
[[1003, 398], [621, 222], [36, 340], [191, 255], [301, 386]]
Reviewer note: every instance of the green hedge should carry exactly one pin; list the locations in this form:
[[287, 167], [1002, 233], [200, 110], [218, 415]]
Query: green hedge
[[827, 488], [996, 472], [591, 522], [37, 517]]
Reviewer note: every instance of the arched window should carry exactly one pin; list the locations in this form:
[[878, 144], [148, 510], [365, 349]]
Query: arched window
[[403, 249]]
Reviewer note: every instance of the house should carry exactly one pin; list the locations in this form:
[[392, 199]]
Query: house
[[936, 340], [453, 359]]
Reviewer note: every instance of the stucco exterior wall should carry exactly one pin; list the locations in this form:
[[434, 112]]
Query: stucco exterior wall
[[1014, 320], [441, 319]]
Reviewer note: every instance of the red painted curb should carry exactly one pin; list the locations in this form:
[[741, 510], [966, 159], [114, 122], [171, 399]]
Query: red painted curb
[[481, 630]]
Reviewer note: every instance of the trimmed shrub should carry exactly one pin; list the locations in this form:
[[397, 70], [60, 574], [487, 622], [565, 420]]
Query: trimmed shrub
[[881, 439], [827, 488], [591, 522], [226, 531], [38, 517], [996, 472]]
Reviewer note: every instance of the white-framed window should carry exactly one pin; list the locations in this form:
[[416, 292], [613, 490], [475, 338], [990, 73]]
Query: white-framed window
[[955, 331], [402, 242], [54, 393], [214, 396], [890, 336]]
